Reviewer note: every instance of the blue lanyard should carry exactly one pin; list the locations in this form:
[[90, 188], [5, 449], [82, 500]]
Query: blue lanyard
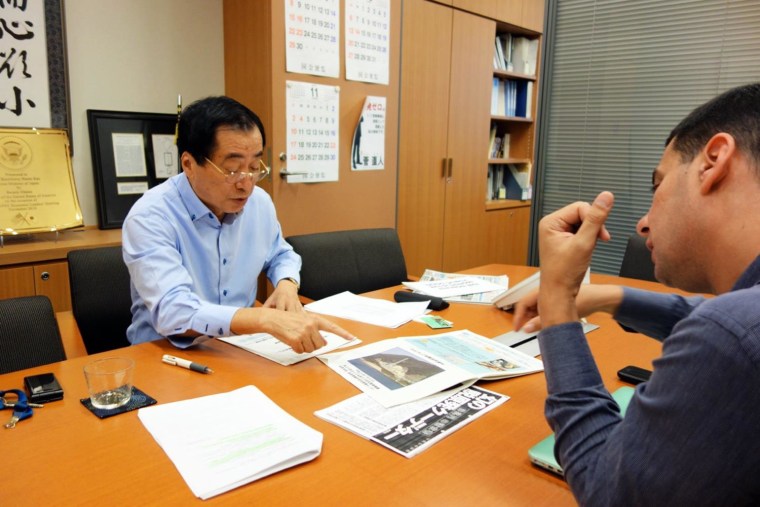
[[21, 408]]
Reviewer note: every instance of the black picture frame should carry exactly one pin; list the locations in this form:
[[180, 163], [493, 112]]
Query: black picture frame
[[58, 72], [113, 207]]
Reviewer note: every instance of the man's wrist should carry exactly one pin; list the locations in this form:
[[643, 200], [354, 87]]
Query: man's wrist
[[293, 281]]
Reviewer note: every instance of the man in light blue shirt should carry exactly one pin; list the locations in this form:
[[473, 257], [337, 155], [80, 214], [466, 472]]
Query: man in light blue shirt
[[196, 244]]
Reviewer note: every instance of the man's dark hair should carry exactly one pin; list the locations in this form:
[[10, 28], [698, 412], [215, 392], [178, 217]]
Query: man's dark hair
[[200, 120], [736, 112]]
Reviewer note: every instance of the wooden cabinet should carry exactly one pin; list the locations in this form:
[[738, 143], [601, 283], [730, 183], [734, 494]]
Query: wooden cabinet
[[447, 73], [255, 63], [36, 264]]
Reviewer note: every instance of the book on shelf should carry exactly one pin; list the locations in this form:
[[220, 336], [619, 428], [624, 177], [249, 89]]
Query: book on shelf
[[504, 42], [517, 182], [524, 55], [495, 96], [401, 370], [523, 98]]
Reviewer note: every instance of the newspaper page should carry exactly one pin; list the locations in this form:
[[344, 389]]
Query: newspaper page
[[481, 298], [401, 370], [269, 347], [411, 428]]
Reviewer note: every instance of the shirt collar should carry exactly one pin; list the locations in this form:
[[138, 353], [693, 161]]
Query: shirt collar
[[195, 207], [750, 277]]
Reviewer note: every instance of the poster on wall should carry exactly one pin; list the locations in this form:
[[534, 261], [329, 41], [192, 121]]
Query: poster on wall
[[312, 112], [24, 84], [312, 37], [368, 40], [368, 147]]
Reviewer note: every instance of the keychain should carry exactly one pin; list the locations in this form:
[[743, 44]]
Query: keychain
[[22, 409]]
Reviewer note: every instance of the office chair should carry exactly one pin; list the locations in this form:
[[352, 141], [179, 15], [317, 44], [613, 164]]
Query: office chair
[[100, 297], [637, 260], [357, 261], [29, 334]]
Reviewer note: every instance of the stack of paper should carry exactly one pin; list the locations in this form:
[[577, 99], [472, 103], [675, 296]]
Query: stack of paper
[[485, 298], [369, 310], [223, 441]]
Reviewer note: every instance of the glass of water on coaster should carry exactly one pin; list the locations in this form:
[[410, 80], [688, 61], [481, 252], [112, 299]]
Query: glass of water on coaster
[[109, 381]]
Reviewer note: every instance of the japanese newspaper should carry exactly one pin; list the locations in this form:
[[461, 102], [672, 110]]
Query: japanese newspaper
[[401, 370], [411, 428]]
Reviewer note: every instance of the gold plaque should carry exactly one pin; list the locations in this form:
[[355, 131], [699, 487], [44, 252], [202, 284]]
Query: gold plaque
[[37, 191]]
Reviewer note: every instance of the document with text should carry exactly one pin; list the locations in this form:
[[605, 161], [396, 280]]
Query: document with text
[[223, 441], [410, 428], [269, 347], [401, 370], [483, 298], [378, 312]]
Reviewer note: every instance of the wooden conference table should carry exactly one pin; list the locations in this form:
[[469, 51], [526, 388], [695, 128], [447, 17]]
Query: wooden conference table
[[64, 455]]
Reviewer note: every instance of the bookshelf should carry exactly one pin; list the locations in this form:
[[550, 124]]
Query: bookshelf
[[445, 221], [512, 130]]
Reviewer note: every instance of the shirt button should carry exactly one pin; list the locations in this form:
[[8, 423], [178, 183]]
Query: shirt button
[[225, 292], [192, 217], [221, 331], [211, 215], [224, 261]]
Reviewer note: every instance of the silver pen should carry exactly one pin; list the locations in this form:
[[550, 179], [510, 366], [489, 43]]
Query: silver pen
[[184, 363]]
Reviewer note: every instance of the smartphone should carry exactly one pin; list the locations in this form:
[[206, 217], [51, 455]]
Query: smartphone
[[43, 388], [634, 374]]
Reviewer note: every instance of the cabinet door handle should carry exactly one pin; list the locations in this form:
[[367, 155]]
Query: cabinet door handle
[[445, 167], [451, 168], [45, 276]]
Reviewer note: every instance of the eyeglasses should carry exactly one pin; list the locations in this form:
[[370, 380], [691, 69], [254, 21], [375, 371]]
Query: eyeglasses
[[258, 174]]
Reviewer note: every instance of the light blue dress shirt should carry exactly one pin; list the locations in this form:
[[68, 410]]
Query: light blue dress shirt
[[188, 270]]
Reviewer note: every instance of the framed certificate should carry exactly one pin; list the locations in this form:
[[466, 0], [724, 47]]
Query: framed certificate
[[37, 191], [131, 152]]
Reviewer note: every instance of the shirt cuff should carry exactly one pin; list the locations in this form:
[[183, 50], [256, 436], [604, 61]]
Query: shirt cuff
[[568, 362], [213, 320]]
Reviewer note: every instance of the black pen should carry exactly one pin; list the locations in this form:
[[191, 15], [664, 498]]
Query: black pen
[[184, 363]]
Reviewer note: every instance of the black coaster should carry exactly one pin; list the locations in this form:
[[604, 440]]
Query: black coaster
[[138, 400]]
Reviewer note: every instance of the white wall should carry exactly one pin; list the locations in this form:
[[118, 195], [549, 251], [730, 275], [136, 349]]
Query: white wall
[[137, 55]]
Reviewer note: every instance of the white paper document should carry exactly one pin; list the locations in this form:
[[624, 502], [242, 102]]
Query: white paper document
[[378, 312], [401, 370], [484, 298], [411, 428], [448, 287], [223, 441], [269, 347], [528, 342], [509, 298]]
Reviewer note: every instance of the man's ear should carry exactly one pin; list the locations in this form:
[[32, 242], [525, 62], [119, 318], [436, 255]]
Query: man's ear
[[187, 162], [717, 156]]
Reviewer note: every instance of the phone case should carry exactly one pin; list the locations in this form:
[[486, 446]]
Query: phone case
[[634, 374], [43, 388]]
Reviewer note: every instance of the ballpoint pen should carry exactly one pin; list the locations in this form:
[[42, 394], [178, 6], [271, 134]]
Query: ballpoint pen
[[184, 363]]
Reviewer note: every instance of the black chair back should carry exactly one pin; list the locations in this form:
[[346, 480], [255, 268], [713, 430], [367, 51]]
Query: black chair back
[[29, 334], [100, 297], [637, 260], [357, 261]]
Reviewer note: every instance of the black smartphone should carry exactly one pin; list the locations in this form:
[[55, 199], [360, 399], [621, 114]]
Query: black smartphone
[[634, 374], [43, 388]]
